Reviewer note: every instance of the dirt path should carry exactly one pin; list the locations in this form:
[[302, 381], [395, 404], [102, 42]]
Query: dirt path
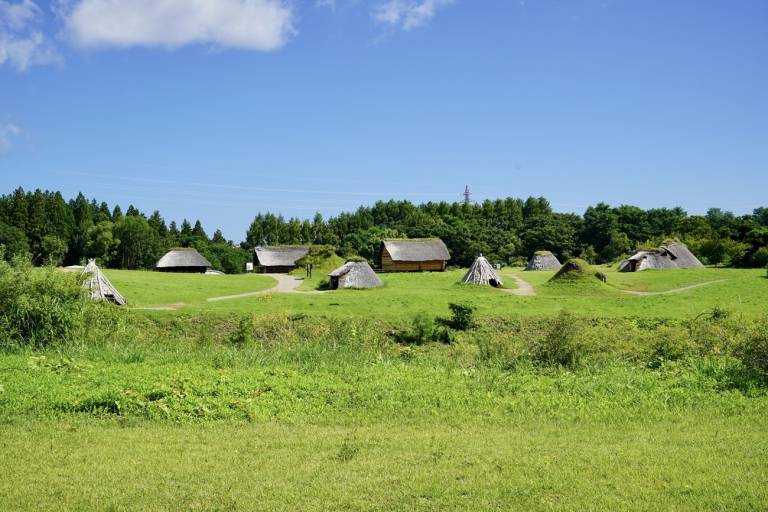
[[524, 288], [285, 284], [675, 290]]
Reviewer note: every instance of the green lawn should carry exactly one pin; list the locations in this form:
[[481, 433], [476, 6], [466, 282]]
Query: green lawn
[[691, 463], [202, 409], [143, 289], [405, 295]]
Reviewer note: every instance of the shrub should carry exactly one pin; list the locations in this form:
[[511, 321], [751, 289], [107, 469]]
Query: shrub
[[760, 258], [38, 307], [462, 316], [560, 345]]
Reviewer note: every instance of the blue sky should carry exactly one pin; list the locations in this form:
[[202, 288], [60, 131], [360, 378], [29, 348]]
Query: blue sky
[[220, 109]]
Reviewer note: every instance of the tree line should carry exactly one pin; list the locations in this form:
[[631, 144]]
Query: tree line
[[51, 230]]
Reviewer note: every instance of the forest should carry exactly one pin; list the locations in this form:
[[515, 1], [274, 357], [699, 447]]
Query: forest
[[50, 230]]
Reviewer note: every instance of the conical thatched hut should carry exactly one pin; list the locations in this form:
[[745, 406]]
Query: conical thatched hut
[[183, 260], [669, 256], [482, 273], [354, 274], [99, 287], [543, 260]]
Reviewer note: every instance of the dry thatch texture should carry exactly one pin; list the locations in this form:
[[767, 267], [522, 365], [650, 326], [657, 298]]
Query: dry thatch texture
[[543, 260], [355, 274], [280, 256], [482, 273], [681, 255], [417, 250], [99, 287], [669, 256], [181, 259]]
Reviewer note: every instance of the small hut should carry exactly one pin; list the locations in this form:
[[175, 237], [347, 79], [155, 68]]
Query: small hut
[[279, 259], [183, 260], [354, 274], [415, 255], [543, 260], [99, 287], [482, 273], [668, 256]]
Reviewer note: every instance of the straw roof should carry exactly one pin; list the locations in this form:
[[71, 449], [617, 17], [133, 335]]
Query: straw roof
[[180, 258], [356, 274], [543, 260], [99, 287], [482, 273], [280, 256], [669, 256], [417, 250], [681, 255]]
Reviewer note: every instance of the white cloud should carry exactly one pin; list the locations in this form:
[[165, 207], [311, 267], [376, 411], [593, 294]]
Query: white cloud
[[21, 43], [245, 24], [408, 14], [8, 131]]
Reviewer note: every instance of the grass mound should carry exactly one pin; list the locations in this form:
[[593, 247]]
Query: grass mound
[[323, 259], [577, 272]]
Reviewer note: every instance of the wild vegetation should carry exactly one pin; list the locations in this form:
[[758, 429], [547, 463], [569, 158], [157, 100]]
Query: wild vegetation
[[56, 231], [423, 394]]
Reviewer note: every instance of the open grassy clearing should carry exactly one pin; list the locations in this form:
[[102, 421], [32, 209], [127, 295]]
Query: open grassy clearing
[[690, 463], [144, 289], [405, 295]]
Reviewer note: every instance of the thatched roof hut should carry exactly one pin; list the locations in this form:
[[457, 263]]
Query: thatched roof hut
[[99, 287], [279, 259], [354, 274], [482, 273], [668, 256], [414, 255], [183, 260], [543, 260]]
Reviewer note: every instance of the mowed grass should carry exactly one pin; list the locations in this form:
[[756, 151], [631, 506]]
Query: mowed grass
[[146, 289], [406, 295], [691, 463]]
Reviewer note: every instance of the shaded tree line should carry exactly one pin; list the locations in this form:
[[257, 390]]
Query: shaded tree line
[[52, 230], [510, 230]]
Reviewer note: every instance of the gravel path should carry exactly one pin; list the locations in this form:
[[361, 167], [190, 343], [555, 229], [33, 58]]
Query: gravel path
[[524, 288], [675, 290], [285, 284]]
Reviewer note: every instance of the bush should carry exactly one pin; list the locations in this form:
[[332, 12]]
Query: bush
[[462, 316], [38, 307], [560, 345]]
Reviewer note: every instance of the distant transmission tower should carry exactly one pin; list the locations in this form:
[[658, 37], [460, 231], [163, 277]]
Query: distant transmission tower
[[466, 194]]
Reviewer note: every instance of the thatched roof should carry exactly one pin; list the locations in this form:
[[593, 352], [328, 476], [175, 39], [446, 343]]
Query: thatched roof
[[179, 258], [482, 273], [669, 256], [417, 250], [681, 255], [543, 260], [358, 274], [280, 256], [99, 287]]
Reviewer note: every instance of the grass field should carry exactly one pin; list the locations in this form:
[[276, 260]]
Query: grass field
[[145, 289], [405, 295], [299, 401]]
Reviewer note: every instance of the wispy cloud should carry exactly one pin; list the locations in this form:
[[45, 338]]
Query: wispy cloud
[[22, 42], [408, 14], [245, 24], [8, 131]]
